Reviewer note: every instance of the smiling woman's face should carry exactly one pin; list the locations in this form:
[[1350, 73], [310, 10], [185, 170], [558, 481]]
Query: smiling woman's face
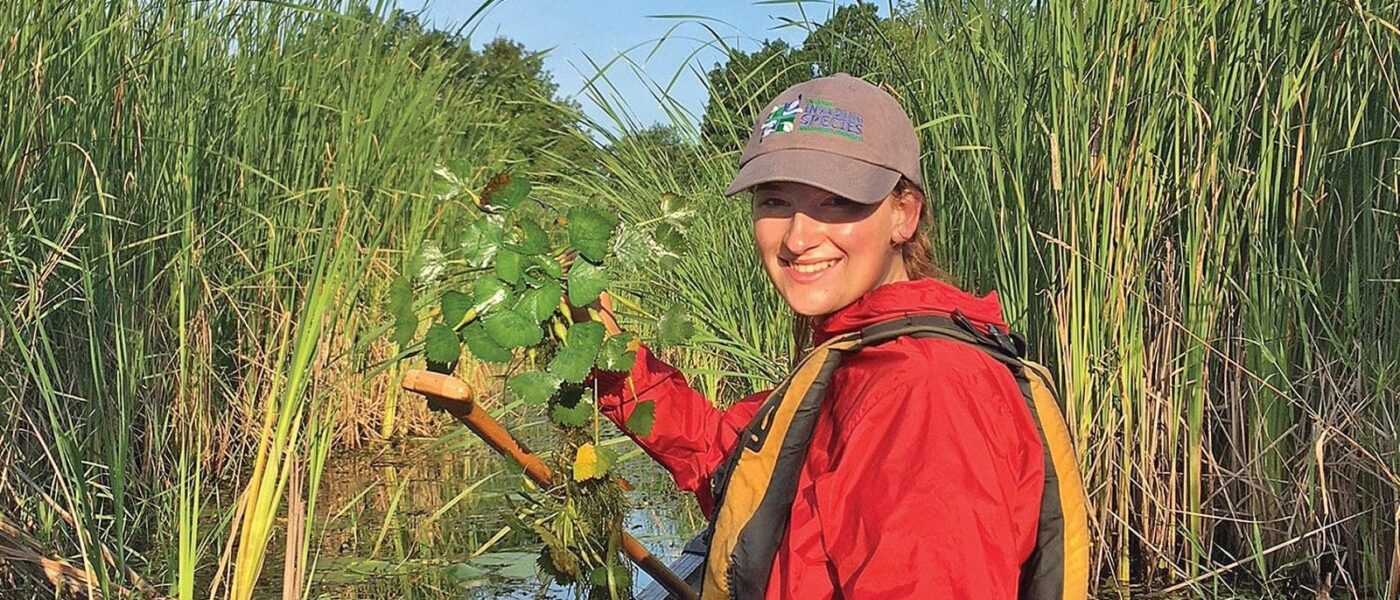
[[822, 251]]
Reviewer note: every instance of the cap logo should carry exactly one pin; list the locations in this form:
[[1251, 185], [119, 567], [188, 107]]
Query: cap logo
[[782, 118], [821, 116]]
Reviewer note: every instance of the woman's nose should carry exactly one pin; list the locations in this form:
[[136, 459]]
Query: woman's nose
[[803, 233]]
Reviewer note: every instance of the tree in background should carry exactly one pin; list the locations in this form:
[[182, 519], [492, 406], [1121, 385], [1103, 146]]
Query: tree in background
[[746, 81], [513, 79], [741, 85]]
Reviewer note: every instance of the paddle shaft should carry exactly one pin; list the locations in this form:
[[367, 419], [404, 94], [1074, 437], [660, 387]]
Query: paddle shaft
[[450, 394]]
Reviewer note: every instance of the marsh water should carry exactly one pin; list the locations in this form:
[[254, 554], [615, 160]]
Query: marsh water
[[428, 518]]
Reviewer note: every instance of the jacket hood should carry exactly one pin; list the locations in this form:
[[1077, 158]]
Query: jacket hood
[[894, 300]]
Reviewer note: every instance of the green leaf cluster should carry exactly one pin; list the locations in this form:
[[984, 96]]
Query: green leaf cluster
[[503, 288], [522, 264]]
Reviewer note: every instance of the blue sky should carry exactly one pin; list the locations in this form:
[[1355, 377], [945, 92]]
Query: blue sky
[[579, 30]]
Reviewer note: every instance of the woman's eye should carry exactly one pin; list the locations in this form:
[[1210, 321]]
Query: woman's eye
[[843, 204]]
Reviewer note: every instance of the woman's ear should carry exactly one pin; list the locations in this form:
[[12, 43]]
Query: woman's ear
[[906, 208]]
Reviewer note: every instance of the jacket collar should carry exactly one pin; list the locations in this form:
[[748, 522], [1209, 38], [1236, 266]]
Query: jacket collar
[[894, 300]]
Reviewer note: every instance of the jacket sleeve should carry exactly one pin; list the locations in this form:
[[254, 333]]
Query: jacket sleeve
[[690, 437], [935, 486]]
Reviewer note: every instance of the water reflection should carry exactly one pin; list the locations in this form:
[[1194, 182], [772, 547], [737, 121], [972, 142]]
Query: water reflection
[[428, 519]]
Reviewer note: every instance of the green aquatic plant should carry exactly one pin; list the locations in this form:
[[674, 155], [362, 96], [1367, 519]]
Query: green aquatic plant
[[517, 287]]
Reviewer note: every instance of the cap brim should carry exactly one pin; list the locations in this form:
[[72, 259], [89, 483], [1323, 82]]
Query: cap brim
[[844, 176]]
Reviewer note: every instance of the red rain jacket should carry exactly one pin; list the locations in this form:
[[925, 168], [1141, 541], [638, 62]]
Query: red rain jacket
[[924, 475]]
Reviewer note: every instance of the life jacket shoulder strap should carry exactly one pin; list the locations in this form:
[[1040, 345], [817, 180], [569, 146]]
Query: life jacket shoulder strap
[[1001, 343]]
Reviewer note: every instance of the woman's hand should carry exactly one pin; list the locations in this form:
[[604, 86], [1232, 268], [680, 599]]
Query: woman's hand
[[601, 310]]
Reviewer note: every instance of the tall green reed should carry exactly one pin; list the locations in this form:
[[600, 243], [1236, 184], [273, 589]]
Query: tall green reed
[[205, 204]]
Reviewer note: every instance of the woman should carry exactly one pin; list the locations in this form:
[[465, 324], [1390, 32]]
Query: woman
[[923, 473]]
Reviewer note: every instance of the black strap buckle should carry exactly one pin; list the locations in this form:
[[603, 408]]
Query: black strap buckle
[[1000, 338]]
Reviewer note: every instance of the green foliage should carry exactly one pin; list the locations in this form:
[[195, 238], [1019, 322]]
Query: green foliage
[[428, 263], [509, 267], [401, 308], [534, 387], [505, 192], [586, 282], [577, 413], [440, 345], [517, 283], [671, 245], [642, 417], [615, 577], [481, 240], [455, 306], [169, 266], [511, 329], [580, 351], [590, 232], [483, 346], [540, 302], [548, 265], [618, 353], [529, 238], [489, 292], [675, 327]]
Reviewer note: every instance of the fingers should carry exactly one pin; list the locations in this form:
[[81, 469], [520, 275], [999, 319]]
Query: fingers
[[604, 307], [600, 310]]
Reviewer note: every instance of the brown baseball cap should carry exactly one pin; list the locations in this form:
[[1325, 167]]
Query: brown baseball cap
[[836, 133]]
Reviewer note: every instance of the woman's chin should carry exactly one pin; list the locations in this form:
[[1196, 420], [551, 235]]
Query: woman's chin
[[811, 303]]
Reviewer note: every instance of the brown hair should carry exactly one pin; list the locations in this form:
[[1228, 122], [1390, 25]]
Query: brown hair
[[918, 250]]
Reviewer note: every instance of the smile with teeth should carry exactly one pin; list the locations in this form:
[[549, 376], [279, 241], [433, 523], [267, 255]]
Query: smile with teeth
[[813, 267]]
